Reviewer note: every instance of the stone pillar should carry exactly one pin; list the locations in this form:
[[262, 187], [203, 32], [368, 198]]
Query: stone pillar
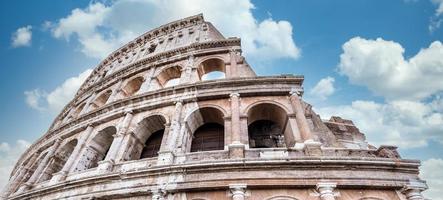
[[238, 191], [300, 117], [115, 92], [158, 194], [413, 190], [88, 103], [236, 148], [326, 191], [41, 166], [233, 71], [109, 161], [166, 153], [147, 81], [60, 176]]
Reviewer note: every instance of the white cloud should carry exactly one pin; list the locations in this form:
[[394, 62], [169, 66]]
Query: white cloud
[[431, 171], [101, 29], [406, 124], [22, 37], [436, 20], [55, 100], [9, 155], [324, 88], [380, 66]]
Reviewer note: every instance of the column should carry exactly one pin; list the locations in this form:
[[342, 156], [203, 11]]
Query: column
[[166, 154], [413, 190], [109, 161], [60, 176], [300, 117], [233, 71], [158, 194], [236, 148], [326, 191], [238, 191], [41, 166], [147, 80], [88, 103], [115, 92]]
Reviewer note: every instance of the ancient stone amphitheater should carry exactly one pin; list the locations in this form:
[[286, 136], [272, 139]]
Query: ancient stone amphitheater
[[154, 120]]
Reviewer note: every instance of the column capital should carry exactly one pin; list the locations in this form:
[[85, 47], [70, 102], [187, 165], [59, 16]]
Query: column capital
[[238, 191], [178, 102], [413, 190], [326, 190], [234, 94], [128, 111]]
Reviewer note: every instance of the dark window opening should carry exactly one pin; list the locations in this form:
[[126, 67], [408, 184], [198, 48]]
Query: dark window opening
[[152, 145], [208, 137], [265, 134]]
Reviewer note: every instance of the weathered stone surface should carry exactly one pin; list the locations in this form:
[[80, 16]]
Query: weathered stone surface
[[239, 137]]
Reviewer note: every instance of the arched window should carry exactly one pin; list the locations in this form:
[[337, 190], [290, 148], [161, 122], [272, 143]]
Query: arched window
[[132, 86], [150, 131], [169, 76], [267, 125], [97, 149], [78, 110], [152, 145], [101, 99], [58, 160], [206, 127], [211, 69]]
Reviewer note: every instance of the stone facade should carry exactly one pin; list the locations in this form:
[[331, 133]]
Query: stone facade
[[147, 124]]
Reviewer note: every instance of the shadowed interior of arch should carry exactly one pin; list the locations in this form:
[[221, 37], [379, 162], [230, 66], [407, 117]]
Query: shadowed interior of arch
[[150, 131], [268, 126], [58, 160], [132, 87], [206, 128], [169, 76]]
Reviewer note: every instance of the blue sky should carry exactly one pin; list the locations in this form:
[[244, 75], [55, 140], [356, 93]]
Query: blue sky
[[378, 83]]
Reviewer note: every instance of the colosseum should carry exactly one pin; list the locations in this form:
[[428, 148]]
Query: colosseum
[[178, 114]]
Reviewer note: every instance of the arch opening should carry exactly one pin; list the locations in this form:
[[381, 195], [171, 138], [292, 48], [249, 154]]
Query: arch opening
[[212, 69], [206, 130], [150, 132], [101, 100], [97, 149], [169, 76], [58, 160], [132, 87], [268, 126]]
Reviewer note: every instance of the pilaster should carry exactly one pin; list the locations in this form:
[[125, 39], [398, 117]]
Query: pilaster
[[300, 117], [326, 190], [413, 190], [238, 191]]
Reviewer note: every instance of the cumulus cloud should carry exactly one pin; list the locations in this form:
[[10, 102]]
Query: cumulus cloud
[[432, 173], [102, 28], [406, 124], [9, 154], [22, 37], [324, 88], [56, 99], [380, 66]]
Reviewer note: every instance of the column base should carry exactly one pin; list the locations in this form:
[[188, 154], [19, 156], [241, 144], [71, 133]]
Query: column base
[[236, 150], [105, 166], [165, 158], [58, 177], [312, 148]]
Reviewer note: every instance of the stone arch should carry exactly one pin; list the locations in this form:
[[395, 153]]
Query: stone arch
[[219, 108], [96, 149], [282, 198], [268, 125], [58, 160], [169, 76], [149, 132], [78, 110], [132, 86], [101, 99], [209, 66], [205, 129]]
